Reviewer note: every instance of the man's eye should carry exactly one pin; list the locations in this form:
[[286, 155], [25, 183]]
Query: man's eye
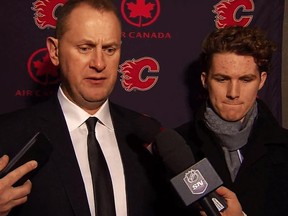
[[246, 80], [220, 79], [109, 51], [84, 49]]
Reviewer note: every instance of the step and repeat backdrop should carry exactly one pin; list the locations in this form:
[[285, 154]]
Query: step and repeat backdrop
[[158, 73]]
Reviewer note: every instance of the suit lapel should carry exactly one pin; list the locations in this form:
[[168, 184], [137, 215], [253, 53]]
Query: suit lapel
[[53, 123], [121, 131], [134, 160]]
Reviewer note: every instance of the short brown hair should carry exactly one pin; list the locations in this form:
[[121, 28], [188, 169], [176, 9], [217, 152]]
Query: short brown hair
[[70, 5], [250, 41]]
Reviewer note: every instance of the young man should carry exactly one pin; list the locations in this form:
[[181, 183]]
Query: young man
[[234, 129]]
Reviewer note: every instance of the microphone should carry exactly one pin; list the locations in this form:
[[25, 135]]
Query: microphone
[[145, 130], [193, 181]]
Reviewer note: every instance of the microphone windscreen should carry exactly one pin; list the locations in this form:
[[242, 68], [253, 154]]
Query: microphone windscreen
[[173, 150], [146, 128]]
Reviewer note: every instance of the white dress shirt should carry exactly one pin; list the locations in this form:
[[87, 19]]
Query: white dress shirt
[[75, 118]]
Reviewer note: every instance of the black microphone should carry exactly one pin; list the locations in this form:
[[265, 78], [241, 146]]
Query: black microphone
[[145, 130], [193, 181]]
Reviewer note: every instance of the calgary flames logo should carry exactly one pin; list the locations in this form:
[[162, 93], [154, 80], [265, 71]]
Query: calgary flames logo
[[133, 74], [45, 11], [140, 13], [226, 13]]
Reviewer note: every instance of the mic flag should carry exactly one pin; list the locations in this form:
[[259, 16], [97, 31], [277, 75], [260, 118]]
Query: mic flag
[[196, 182], [192, 181]]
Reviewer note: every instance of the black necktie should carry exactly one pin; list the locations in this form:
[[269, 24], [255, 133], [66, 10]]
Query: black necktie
[[102, 184]]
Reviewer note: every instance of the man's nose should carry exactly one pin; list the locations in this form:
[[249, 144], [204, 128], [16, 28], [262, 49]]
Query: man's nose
[[97, 60], [233, 90]]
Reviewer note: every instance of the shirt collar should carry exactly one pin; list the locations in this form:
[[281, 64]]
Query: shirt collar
[[76, 116]]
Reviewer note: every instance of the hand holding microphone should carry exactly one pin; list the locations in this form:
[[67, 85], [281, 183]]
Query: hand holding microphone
[[177, 156]]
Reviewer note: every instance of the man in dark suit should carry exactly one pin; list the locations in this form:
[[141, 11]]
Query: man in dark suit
[[233, 128], [86, 49]]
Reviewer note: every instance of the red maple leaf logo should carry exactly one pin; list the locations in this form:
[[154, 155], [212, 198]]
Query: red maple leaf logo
[[41, 69], [140, 13], [140, 9], [44, 67]]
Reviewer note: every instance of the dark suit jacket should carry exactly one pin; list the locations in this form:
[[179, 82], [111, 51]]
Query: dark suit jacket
[[58, 189]]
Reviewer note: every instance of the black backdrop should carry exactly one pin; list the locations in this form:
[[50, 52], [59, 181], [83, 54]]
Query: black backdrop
[[158, 72]]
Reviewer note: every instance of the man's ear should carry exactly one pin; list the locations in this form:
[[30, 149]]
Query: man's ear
[[52, 46], [204, 79], [263, 77]]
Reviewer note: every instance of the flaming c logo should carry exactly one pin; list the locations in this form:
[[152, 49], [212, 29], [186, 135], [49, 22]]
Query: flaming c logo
[[44, 15], [141, 13], [133, 74], [226, 11], [41, 69]]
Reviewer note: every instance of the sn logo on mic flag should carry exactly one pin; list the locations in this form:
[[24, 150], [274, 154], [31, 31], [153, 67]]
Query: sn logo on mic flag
[[197, 181]]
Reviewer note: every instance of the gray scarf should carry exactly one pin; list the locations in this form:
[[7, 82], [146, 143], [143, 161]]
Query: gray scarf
[[232, 135]]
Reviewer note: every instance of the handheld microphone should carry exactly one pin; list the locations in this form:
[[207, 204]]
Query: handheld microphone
[[145, 129], [193, 181]]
